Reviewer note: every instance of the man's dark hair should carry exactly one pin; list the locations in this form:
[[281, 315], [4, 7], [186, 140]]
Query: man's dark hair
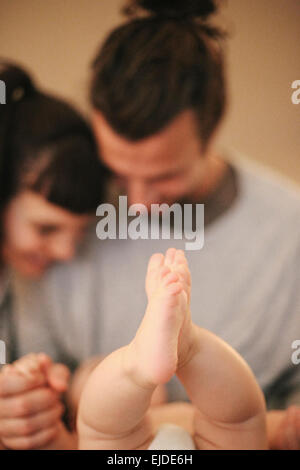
[[154, 67]]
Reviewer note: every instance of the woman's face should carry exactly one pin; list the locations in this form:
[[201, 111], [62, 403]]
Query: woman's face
[[37, 233]]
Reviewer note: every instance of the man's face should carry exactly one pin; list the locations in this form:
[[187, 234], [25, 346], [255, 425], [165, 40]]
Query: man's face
[[165, 168]]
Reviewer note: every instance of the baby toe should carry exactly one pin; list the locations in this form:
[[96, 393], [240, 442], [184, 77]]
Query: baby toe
[[170, 278], [170, 256], [155, 262]]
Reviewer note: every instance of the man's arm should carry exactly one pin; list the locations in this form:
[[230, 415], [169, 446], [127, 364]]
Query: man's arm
[[64, 440], [283, 428]]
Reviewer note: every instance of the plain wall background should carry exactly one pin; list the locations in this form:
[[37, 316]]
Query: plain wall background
[[57, 40]]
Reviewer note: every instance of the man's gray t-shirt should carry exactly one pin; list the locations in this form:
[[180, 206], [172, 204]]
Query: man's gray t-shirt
[[245, 288]]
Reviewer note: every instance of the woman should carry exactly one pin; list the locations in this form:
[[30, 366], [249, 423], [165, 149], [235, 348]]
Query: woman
[[51, 182], [51, 179]]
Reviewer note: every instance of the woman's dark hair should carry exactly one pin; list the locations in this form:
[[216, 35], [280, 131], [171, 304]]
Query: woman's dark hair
[[45, 146], [155, 66]]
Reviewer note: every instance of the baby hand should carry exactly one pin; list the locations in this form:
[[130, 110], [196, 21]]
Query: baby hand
[[39, 370], [30, 367]]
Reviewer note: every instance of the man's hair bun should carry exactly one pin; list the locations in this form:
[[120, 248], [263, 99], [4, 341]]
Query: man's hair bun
[[174, 8]]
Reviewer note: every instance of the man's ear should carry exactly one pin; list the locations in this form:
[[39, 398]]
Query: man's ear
[[96, 119]]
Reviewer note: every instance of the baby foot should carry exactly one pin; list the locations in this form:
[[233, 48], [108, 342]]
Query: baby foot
[[177, 262], [161, 339]]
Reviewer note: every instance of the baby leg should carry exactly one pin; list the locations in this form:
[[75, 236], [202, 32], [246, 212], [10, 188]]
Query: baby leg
[[81, 376], [113, 411], [230, 408]]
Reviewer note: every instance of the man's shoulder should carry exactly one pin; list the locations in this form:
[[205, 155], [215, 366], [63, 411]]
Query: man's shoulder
[[266, 195]]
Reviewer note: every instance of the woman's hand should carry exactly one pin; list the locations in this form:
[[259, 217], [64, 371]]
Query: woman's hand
[[30, 402]]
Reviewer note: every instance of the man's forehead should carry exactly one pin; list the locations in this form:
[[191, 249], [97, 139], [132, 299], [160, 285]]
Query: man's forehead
[[110, 138], [155, 154], [141, 167]]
